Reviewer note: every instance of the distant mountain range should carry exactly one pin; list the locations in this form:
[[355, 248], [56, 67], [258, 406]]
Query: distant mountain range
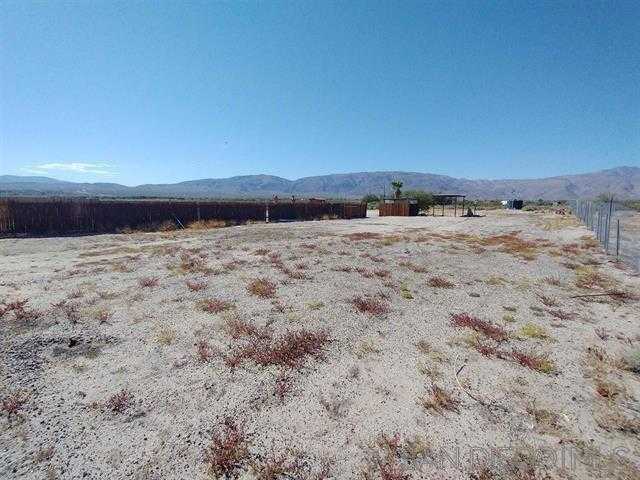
[[623, 182]]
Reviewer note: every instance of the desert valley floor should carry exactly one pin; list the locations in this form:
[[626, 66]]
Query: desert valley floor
[[506, 346]]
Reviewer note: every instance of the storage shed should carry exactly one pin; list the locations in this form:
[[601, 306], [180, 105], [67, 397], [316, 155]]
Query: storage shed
[[398, 207]]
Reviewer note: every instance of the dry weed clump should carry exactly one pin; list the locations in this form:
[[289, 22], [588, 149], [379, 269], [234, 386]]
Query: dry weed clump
[[166, 336], [371, 305], [356, 237], [561, 314], [206, 224], [192, 262], [613, 419], [19, 311], [548, 301], [413, 267], [228, 451], [283, 386], [262, 287], [532, 330], [510, 243], [103, 315], [439, 400], [215, 305], [335, 406], [631, 361], [589, 278], [602, 333], [148, 282], [119, 402], [388, 454], [204, 351], [547, 421], [278, 466], [195, 285], [238, 328], [494, 332], [13, 404], [440, 282], [291, 349], [539, 362]]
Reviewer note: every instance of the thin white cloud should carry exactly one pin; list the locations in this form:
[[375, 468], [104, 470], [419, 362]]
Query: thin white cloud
[[74, 167]]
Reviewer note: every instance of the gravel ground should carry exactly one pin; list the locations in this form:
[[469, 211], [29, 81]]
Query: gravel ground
[[153, 355]]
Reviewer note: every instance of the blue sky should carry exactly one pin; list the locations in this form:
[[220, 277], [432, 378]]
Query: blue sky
[[150, 92]]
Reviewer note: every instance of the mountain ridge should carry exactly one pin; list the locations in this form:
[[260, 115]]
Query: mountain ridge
[[623, 182]]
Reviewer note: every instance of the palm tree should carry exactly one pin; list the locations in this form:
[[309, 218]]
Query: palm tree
[[397, 185]]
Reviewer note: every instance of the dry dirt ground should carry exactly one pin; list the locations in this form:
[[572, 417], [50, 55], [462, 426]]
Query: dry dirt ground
[[381, 348]]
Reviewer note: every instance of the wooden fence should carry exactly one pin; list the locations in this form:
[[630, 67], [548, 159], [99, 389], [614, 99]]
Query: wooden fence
[[61, 216], [397, 209]]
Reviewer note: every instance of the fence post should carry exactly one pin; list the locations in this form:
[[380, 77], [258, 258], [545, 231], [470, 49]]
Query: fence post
[[618, 240]]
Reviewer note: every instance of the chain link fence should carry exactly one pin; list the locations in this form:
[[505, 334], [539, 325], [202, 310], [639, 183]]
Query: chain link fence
[[616, 225]]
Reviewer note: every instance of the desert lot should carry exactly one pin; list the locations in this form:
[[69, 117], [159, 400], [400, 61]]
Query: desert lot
[[389, 348]]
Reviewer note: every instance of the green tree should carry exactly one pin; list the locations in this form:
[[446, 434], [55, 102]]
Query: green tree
[[397, 185], [425, 199], [370, 198]]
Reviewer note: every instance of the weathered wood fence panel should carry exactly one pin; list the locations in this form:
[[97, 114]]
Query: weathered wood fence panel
[[396, 209], [60, 216]]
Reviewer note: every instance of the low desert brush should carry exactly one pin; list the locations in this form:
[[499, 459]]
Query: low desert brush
[[206, 224], [315, 305], [283, 386], [120, 401], [204, 351], [13, 403], [405, 292], [291, 349], [494, 332], [590, 278], [631, 361], [166, 336], [148, 282], [228, 451], [371, 305], [195, 285], [366, 348], [215, 305], [238, 328], [262, 287], [439, 400], [534, 361], [532, 330], [440, 282]]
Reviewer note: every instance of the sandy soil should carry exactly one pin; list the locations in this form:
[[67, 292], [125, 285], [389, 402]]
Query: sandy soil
[[153, 356]]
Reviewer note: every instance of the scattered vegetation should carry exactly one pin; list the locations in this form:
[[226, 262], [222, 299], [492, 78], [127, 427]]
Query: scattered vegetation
[[465, 320], [371, 305], [215, 305], [13, 404], [440, 282], [538, 362], [148, 282], [228, 452], [195, 285], [204, 351], [166, 336], [532, 330], [439, 400], [291, 349], [119, 402], [262, 287], [283, 386]]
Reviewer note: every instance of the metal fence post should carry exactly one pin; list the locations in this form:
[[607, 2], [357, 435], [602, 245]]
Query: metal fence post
[[618, 240]]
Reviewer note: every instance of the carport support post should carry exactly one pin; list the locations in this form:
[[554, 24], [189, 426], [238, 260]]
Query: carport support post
[[443, 207], [463, 206], [455, 207]]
